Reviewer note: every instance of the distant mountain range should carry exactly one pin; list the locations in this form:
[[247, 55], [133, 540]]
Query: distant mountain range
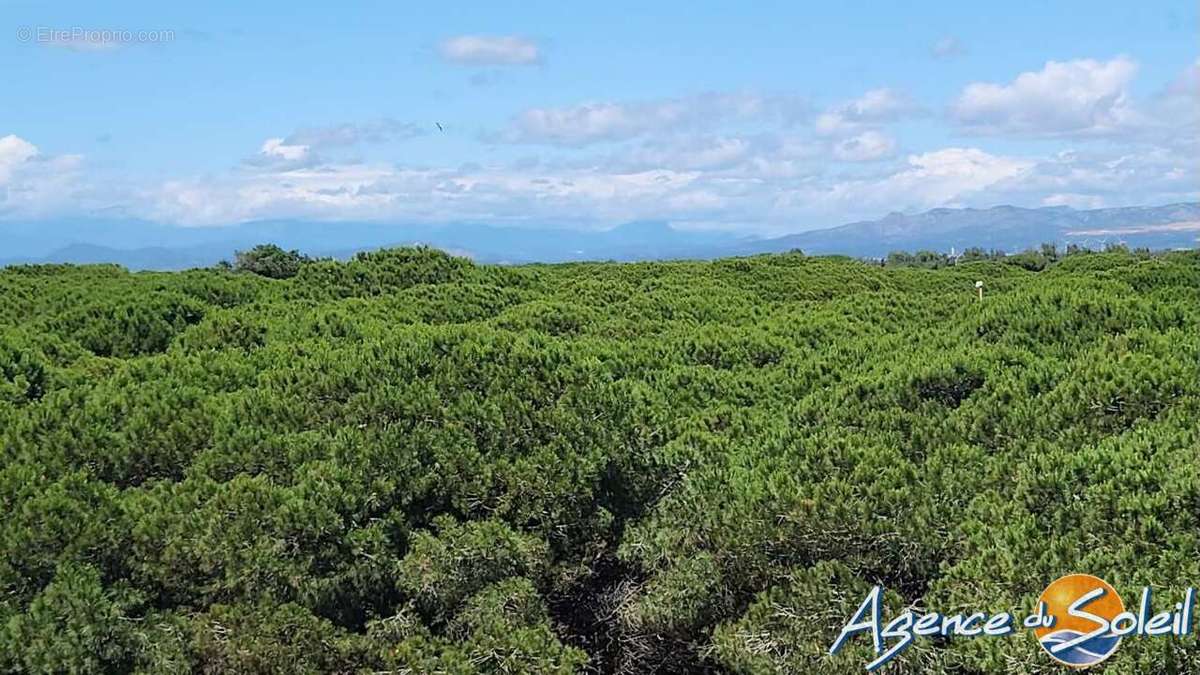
[[1007, 228], [143, 245]]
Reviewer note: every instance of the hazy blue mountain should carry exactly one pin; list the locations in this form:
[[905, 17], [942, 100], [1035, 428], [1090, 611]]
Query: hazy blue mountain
[[1007, 228], [149, 257], [139, 244], [142, 245]]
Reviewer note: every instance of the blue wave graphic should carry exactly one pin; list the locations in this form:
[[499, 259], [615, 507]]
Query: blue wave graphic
[[1084, 653]]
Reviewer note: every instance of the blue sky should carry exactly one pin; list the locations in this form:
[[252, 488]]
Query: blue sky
[[763, 117]]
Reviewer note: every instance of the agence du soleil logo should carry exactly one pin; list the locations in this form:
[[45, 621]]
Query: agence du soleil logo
[[1079, 621]]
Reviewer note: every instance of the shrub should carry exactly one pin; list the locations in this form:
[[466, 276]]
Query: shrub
[[268, 260]]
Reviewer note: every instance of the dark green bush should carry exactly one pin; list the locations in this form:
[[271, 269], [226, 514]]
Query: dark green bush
[[268, 260]]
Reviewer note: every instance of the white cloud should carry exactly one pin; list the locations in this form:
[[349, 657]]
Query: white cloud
[[14, 151], [1187, 84], [937, 178], [609, 121], [1175, 111], [704, 152], [948, 47], [767, 183], [764, 155], [696, 200], [754, 192], [303, 148], [875, 107], [349, 134], [1075, 201], [1108, 177], [831, 124], [32, 183], [278, 154], [592, 122], [1081, 97], [318, 192], [878, 105], [484, 50], [865, 147], [426, 195], [276, 148]]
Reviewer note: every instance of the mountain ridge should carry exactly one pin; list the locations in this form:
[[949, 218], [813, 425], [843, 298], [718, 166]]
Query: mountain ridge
[[138, 244]]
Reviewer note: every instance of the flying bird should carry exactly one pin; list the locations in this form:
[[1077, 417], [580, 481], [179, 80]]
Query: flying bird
[[439, 126]]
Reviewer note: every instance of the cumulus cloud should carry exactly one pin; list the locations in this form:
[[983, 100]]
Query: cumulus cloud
[[729, 155], [32, 183], [1175, 110], [764, 182], [303, 148], [700, 152], [588, 123], [278, 154], [875, 107], [946, 177], [278, 148], [609, 121], [865, 147], [14, 151], [1107, 177], [337, 191], [1084, 97], [739, 181], [675, 166], [424, 195], [493, 50]]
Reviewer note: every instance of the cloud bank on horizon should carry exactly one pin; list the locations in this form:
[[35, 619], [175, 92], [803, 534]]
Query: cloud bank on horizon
[[580, 119]]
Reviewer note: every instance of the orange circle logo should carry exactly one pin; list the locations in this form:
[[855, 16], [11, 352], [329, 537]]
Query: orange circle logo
[[1078, 611]]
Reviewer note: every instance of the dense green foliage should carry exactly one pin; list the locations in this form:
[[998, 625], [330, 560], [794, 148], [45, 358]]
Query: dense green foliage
[[270, 261], [1032, 259], [410, 463]]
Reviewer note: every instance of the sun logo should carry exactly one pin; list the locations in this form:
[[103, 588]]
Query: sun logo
[[1078, 612]]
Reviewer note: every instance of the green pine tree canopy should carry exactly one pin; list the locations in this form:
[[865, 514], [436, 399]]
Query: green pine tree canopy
[[409, 463]]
